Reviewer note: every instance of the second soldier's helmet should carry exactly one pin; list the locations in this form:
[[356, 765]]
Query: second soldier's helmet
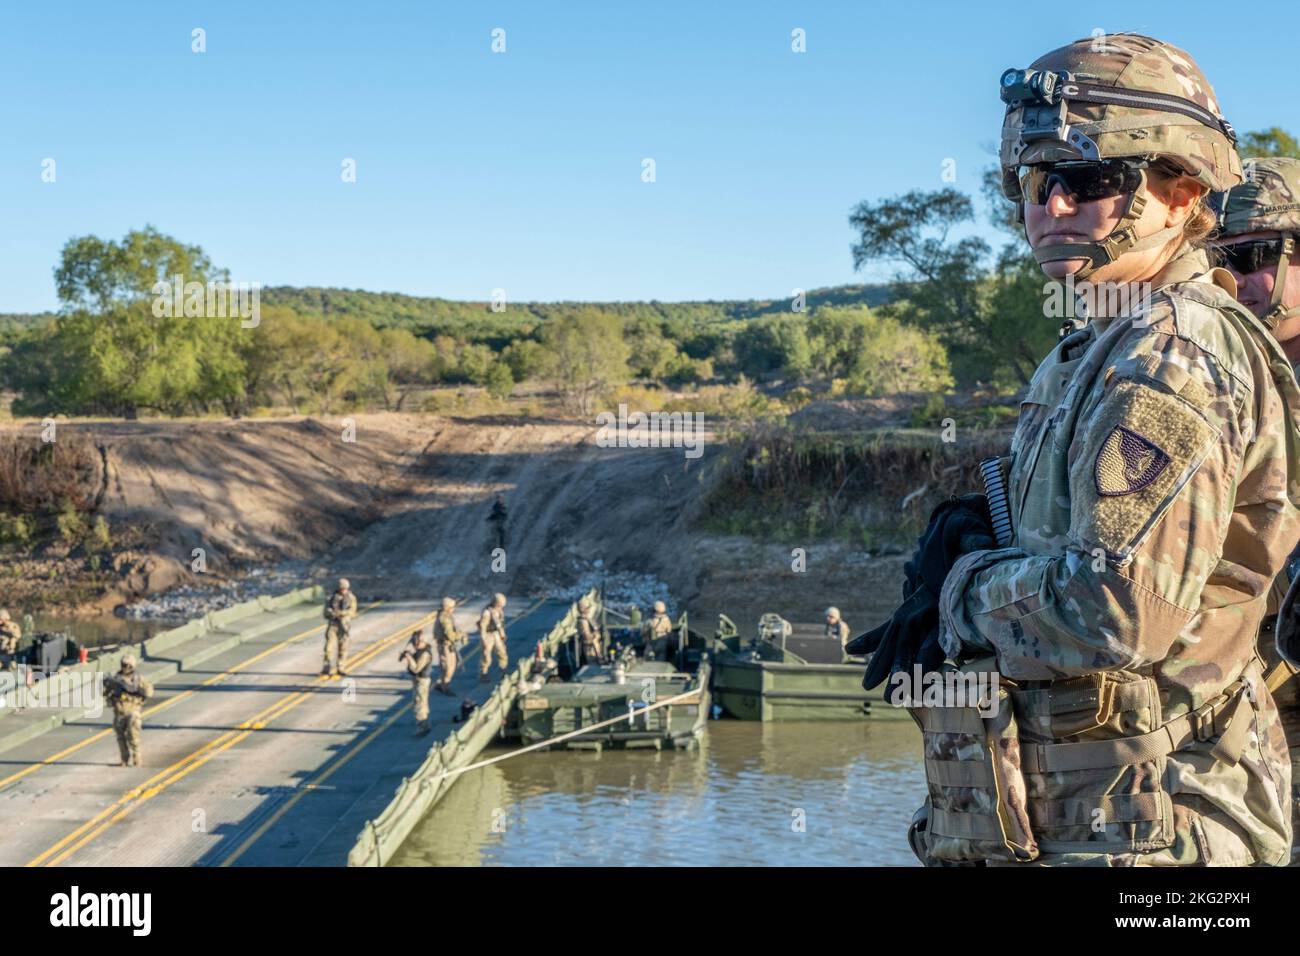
[[1120, 97], [499, 599], [4, 614], [660, 607], [833, 613], [448, 603], [1268, 200], [344, 584], [130, 662]]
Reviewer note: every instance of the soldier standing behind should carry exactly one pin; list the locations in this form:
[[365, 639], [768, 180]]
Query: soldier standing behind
[[659, 627], [448, 639], [836, 628], [340, 609], [1259, 242], [588, 634], [10, 634], [126, 692], [492, 632], [418, 659]]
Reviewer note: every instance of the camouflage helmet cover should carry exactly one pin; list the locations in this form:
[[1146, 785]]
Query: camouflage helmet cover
[[499, 599], [1267, 201], [833, 613], [1204, 148], [129, 661], [344, 584], [448, 603], [660, 607]]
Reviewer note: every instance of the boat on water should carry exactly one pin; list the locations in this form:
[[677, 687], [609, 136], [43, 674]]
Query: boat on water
[[791, 672], [617, 692]]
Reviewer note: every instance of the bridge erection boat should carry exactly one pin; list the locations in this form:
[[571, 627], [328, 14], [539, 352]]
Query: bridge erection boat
[[791, 672]]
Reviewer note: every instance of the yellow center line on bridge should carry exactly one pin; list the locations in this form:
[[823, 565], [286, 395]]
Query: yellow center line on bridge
[[169, 702], [355, 749], [162, 780]]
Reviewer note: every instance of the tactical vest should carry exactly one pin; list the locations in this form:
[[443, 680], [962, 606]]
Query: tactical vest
[[127, 693], [444, 628], [422, 670], [492, 621], [1075, 765]]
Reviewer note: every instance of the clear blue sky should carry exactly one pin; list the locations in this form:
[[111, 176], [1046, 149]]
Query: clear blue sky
[[522, 170]]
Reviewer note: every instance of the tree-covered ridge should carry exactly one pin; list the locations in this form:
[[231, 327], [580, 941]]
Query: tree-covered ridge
[[479, 320]]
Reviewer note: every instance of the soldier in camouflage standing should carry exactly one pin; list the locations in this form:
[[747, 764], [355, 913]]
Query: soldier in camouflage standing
[[1259, 242], [836, 628], [340, 609], [1153, 488], [448, 639], [10, 635], [657, 629], [492, 634], [588, 634], [126, 692], [418, 658]]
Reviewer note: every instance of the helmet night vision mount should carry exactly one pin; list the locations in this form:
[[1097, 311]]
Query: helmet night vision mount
[[1042, 98]]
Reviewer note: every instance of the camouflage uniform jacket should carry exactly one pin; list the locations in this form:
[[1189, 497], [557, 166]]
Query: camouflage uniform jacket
[[10, 634], [420, 662], [492, 621], [838, 631], [342, 607], [127, 692], [444, 630], [1153, 488], [588, 634], [659, 625]]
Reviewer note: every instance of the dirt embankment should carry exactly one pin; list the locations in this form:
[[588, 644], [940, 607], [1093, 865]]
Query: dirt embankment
[[402, 510]]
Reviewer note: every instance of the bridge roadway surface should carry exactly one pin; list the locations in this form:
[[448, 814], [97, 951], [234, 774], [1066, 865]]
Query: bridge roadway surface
[[252, 758]]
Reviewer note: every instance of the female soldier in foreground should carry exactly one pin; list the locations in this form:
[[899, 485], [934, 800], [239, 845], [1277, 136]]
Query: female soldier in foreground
[[1153, 493]]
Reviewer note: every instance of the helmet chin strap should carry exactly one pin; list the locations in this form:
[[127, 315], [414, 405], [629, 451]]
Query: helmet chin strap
[[1277, 312], [1123, 238]]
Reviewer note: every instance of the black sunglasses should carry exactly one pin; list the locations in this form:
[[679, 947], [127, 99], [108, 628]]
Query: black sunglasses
[[1252, 255], [1082, 180]]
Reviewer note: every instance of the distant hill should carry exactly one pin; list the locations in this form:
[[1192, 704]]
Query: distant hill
[[476, 320]]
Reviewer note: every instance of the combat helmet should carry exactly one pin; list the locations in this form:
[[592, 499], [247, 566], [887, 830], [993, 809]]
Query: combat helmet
[[661, 607], [1115, 97], [1267, 201]]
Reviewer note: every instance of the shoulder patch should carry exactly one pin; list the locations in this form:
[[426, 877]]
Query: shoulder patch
[[1127, 462]]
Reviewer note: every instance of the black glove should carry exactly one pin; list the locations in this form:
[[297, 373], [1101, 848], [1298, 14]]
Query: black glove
[[957, 526]]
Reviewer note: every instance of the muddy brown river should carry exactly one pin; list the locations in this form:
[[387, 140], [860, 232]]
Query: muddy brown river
[[790, 794]]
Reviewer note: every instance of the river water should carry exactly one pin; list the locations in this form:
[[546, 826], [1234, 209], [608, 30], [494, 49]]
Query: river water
[[803, 794], [97, 631]]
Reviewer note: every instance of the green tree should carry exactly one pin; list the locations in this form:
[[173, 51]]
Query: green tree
[[500, 380], [1273, 141], [583, 354], [117, 349]]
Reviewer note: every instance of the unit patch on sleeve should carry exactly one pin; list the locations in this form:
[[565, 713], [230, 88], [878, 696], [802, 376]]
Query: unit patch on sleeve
[[1127, 462]]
